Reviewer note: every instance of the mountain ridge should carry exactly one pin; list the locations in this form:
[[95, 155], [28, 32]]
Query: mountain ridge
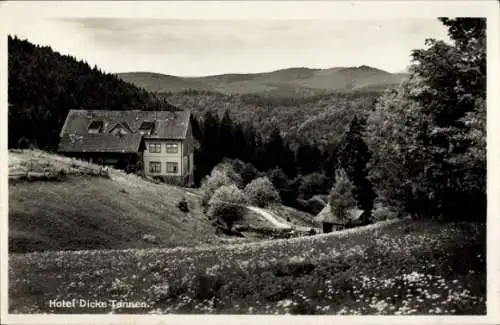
[[294, 80]]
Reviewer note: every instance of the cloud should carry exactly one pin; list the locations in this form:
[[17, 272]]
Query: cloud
[[202, 47], [160, 35]]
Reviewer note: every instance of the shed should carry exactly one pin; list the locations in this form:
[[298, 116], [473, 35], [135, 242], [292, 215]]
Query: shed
[[331, 222]]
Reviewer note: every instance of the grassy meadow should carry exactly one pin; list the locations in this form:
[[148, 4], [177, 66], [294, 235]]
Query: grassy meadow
[[60, 203], [82, 211], [391, 268]]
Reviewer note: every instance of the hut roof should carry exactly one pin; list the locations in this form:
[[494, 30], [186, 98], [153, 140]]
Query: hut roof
[[326, 215]]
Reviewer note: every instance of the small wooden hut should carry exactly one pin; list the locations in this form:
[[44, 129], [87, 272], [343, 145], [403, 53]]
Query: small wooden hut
[[331, 222]]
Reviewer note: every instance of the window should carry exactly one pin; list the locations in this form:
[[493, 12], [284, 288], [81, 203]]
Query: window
[[172, 148], [96, 126], [154, 147], [171, 167], [154, 167], [119, 131], [146, 127]]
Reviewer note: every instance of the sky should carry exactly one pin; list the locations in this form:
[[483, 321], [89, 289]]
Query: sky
[[196, 47]]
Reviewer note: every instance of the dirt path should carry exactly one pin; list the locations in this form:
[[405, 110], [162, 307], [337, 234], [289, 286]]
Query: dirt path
[[269, 217]]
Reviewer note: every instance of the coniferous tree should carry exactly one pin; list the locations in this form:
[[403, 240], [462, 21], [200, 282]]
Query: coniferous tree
[[196, 128], [287, 162], [241, 148], [210, 151], [251, 144], [274, 150], [341, 196], [329, 161], [226, 136], [353, 157], [44, 85], [308, 158], [303, 156]]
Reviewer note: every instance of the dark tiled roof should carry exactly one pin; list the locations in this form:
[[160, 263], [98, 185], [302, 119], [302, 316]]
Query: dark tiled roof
[[75, 136], [127, 143], [168, 124]]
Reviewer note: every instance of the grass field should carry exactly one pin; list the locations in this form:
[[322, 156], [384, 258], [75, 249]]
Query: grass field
[[91, 208], [88, 212], [399, 268]]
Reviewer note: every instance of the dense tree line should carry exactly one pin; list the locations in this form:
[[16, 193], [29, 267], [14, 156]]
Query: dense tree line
[[298, 174], [419, 148], [321, 117], [44, 85], [429, 135]]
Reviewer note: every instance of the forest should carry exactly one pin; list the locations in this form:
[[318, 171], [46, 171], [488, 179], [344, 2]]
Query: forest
[[419, 148], [44, 85], [320, 117]]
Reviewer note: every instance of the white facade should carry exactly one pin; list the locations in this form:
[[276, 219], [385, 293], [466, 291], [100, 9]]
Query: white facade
[[166, 158]]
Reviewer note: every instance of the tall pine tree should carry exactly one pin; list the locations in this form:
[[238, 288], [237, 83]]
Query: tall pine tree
[[353, 157], [227, 146]]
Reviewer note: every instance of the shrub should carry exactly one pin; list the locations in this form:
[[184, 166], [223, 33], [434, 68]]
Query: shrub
[[293, 267], [381, 212], [341, 196], [227, 205], [314, 205], [228, 169], [211, 183], [249, 173], [236, 164], [261, 192], [287, 189], [183, 205], [315, 183]]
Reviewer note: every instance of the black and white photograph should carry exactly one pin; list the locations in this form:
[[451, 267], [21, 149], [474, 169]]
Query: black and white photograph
[[248, 158]]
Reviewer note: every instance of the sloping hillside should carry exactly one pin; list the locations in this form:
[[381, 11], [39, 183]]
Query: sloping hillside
[[397, 268], [88, 212], [280, 82], [59, 203]]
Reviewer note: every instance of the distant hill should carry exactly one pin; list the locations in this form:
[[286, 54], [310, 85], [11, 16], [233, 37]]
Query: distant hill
[[306, 104], [282, 82]]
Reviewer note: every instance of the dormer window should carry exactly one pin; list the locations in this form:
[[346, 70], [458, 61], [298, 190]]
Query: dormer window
[[146, 128], [120, 129], [96, 127]]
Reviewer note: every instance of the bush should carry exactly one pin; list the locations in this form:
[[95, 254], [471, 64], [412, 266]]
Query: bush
[[227, 205], [249, 173], [183, 205], [312, 184], [227, 168], [261, 192], [278, 178], [287, 189], [293, 267], [381, 212], [210, 184], [314, 205]]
